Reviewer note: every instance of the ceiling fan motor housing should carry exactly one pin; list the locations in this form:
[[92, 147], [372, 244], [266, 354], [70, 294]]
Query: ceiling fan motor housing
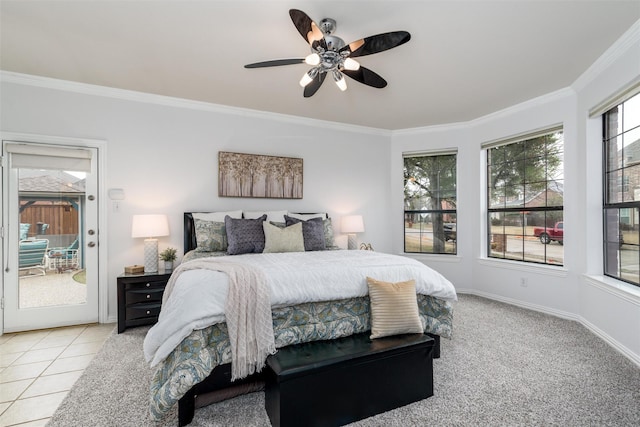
[[333, 42]]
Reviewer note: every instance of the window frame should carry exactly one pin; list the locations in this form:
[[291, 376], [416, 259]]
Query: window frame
[[523, 211], [451, 212], [616, 243]]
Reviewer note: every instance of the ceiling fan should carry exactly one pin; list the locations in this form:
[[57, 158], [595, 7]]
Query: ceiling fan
[[330, 54]]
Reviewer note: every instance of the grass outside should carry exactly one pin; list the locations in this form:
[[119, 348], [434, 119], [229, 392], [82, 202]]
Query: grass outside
[[420, 240], [81, 277]]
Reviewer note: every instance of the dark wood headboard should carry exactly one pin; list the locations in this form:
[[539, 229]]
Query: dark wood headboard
[[190, 242]]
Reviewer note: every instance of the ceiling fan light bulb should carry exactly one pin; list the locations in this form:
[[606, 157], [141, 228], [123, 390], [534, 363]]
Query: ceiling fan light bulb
[[309, 76], [312, 59], [338, 77], [305, 80], [351, 64]]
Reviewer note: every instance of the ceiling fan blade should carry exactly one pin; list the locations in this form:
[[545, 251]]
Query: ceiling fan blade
[[367, 77], [307, 28], [378, 43], [312, 88], [275, 63]]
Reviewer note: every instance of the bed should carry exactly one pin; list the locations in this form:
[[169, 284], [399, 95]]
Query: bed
[[191, 357]]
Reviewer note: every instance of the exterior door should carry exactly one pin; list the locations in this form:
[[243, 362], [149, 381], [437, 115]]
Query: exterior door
[[50, 218]]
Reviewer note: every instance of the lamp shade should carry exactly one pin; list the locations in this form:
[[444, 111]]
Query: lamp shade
[[352, 224], [149, 226]]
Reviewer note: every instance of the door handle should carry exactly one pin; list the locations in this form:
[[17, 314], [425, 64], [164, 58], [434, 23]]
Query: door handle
[[91, 244]]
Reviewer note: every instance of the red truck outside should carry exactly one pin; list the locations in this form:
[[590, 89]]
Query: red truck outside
[[548, 235]]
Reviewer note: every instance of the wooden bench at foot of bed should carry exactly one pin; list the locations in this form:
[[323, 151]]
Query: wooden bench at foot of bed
[[332, 383]]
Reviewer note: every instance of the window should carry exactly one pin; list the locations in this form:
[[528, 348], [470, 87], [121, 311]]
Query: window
[[621, 139], [525, 196], [430, 203]]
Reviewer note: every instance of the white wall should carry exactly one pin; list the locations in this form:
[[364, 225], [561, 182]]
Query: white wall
[[620, 323], [578, 290], [439, 138], [165, 159], [470, 269]]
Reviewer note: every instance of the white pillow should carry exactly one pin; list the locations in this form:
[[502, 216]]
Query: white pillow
[[275, 216], [216, 216], [305, 217], [288, 239]]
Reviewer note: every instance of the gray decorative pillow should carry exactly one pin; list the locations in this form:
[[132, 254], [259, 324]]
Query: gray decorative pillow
[[312, 231], [329, 240], [244, 236], [211, 236]]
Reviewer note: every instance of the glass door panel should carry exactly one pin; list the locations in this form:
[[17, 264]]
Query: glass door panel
[[50, 212]]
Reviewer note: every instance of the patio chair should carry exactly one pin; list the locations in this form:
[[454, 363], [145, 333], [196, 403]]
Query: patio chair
[[32, 254], [64, 258], [24, 230]]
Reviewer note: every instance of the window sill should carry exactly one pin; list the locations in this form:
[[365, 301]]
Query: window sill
[[432, 257], [550, 270], [615, 287]]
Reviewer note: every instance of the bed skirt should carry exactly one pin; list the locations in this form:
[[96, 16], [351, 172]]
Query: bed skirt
[[193, 360]]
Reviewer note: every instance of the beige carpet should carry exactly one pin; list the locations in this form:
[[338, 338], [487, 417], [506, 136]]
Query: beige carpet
[[505, 366]]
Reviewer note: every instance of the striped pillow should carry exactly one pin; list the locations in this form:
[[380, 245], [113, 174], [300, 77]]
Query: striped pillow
[[394, 308]]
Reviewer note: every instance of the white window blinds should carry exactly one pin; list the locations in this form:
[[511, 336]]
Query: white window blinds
[[26, 155]]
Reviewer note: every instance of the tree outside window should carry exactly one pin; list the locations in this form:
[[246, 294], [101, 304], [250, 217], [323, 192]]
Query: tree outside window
[[430, 204]]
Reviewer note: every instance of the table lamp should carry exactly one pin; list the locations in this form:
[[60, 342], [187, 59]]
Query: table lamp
[[352, 224], [149, 227]]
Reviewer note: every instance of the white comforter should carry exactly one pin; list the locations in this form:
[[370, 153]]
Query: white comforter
[[198, 298]]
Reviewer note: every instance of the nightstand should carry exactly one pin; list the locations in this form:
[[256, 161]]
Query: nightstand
[[140, 298]]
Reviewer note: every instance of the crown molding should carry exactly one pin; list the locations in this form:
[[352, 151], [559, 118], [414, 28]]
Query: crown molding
[[500, 114], [447, 127], [612, 54], [168, 101], [524, 106]]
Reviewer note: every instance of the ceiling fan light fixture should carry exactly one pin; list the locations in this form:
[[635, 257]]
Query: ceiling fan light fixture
[[312, 59], [338, 77], [308, 77], [351, 64], [330, 54]]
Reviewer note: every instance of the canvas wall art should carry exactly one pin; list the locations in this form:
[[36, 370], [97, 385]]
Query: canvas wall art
[[253, 175]]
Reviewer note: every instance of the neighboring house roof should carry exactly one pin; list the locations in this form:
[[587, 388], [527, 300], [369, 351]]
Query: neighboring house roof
[[51, 184], [552, 186]]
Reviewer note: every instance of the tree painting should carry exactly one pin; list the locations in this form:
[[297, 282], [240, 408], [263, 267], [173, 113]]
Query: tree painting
[[250, 175]]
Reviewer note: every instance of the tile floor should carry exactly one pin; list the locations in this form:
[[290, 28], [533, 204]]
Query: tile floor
[[38, 368]]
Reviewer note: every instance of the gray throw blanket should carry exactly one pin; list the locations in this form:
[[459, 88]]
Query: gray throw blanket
[[247, 313]]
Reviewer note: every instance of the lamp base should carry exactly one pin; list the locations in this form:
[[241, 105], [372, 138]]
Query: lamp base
[[352, 242], [150, 255]]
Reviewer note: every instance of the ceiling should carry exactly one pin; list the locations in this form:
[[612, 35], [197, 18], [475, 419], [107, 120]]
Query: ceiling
[[465, 59]]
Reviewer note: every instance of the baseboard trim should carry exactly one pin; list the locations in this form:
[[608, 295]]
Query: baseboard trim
[[558, 313], [635, 358]]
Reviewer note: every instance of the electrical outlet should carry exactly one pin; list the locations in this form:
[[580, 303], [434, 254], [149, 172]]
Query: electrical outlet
[[524, 282]]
